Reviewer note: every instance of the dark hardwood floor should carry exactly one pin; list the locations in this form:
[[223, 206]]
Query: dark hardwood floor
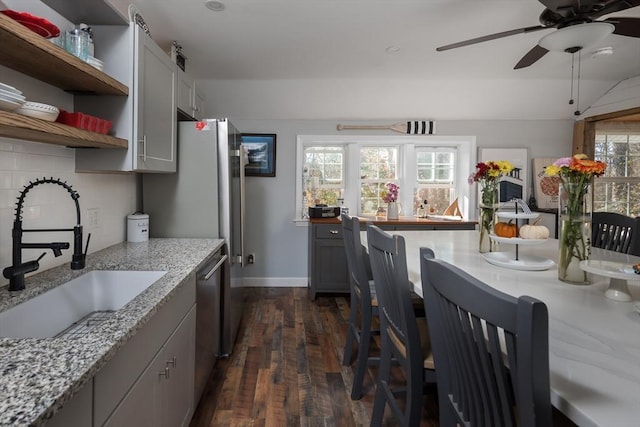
[[286, 368]]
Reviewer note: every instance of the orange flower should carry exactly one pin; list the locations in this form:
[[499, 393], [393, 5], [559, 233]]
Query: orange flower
[[586, 166]]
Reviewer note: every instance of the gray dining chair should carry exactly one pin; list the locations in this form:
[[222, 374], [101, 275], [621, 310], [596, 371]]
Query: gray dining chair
[[363, 302], [404, 337], [615, 232], [491, 350]]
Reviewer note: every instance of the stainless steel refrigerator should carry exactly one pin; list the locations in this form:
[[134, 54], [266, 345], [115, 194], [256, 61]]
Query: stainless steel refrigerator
[[205, 198]]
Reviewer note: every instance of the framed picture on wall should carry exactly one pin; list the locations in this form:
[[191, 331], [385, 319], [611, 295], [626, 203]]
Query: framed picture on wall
[[515, 185], [261, 152]]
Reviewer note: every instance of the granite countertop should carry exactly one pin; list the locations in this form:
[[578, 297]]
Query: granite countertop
[[37, 376]]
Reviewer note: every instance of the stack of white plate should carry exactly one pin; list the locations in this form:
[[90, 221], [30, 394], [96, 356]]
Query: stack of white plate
[[10, 98], [39, 111]]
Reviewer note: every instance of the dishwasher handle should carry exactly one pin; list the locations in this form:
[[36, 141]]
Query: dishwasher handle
[[215, 268]]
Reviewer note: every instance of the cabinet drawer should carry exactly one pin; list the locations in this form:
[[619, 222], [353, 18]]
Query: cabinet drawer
[[329, 231]]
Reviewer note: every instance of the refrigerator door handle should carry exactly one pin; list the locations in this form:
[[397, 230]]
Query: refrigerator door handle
[[242, 203]]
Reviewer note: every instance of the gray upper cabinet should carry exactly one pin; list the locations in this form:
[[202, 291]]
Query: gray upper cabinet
[[190, 97], [155, 133], [147, 118], [185, 93], [198, 102]]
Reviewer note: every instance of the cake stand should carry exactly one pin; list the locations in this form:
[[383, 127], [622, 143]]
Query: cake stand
[[517, 261], [618, 274]]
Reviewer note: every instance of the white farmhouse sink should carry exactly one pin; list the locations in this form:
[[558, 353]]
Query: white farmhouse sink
[[50, 313]]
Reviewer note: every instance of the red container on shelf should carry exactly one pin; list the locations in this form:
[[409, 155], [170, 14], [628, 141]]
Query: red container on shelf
[[84, 121], [70, 119]]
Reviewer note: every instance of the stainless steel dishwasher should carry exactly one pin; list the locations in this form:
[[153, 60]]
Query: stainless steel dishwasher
[[208, 318]]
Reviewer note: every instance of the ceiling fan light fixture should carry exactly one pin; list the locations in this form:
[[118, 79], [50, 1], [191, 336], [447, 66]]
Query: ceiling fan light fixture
[[575, 37]]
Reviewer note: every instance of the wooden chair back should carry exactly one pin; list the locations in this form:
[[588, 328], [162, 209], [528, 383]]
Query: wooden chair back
[[491, 351], [615, 232], [387, 255], [357, 260]]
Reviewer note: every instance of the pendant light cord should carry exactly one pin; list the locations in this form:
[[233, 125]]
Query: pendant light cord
[[575, 76], [577, 112], [573, 60]]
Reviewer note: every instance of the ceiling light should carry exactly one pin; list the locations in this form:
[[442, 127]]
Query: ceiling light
[[575, 37], [215, 5], [393, 49]]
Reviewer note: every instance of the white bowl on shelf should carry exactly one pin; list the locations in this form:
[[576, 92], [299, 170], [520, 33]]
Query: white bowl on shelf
[[39, 111], [7, 105]]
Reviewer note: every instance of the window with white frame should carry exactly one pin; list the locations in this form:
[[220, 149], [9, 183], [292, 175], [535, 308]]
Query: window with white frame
[[435, 178], [378, 166], [331, 169], [618, 190]]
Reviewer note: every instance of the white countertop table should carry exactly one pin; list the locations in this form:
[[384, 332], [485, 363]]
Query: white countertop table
[[594, 342]]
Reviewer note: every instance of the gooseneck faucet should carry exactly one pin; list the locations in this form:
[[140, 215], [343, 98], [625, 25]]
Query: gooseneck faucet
[[15, 273]]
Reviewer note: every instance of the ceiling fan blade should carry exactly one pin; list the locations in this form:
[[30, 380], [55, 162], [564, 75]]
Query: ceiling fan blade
[[532, 56], [616, 6], [491, 37], [625, 26], [558, 6]]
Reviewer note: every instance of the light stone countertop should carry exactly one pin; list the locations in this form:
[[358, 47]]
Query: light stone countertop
[[37, 376]]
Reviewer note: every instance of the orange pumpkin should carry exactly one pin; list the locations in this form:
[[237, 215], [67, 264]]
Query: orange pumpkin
[[506, 229]]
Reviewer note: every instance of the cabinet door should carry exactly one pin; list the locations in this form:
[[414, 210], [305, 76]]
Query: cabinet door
[[330, 266], [186, 92], [198, 99], [141, 405], [155, 117], [77, 411], [178, 389]]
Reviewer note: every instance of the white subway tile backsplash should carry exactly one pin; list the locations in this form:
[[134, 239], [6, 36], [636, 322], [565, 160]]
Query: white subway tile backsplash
[[6, 180], [7, 198], [6, 145], [8, 161], [50, 206]]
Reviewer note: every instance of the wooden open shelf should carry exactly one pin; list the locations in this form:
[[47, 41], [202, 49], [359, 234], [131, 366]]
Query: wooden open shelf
[[27, 128], [29, 53]]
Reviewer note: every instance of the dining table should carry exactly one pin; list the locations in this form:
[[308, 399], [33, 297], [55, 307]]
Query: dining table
[[594, 341]]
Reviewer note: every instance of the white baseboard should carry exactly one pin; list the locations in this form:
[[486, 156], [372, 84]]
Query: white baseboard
[[275, 282]]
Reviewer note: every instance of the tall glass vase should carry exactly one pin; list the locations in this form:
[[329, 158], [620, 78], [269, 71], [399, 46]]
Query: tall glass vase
[[575, 231], [489, 202]]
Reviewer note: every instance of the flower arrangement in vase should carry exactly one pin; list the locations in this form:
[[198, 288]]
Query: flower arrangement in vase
[[487, 175], [574, 240], [390, 196]]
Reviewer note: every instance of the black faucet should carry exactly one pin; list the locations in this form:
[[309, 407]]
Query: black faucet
[[15, 273]]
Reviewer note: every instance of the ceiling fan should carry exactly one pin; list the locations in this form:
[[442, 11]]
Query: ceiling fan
[[575, 21]]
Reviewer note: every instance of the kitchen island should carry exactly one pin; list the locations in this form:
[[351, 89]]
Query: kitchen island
[[594, 341], [39, 376]]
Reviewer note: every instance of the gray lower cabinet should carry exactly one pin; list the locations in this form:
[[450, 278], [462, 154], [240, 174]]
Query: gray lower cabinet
[[163, 395], [77, 411], [143, 380], [328, 270], [327, 263], [150, 381]]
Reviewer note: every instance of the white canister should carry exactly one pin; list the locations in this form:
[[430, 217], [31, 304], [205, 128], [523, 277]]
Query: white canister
[[137, 227]]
